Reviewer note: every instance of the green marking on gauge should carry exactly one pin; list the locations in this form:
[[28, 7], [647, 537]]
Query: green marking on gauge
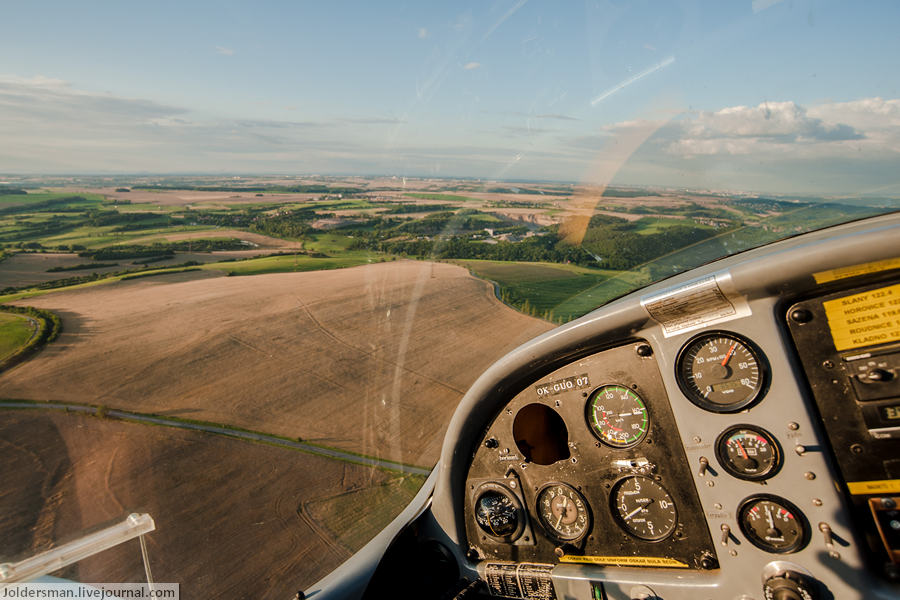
[[618, 416]]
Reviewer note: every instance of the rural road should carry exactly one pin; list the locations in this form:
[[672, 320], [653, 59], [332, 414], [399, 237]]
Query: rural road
[[227, 431]]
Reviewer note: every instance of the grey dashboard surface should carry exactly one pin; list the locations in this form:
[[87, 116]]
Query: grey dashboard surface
[[745, 296]]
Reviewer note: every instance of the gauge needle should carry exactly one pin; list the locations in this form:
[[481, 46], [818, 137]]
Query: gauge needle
[[728, 354], [769, 517], [743, 452], [491, 525], [636, 511], [562, 512]]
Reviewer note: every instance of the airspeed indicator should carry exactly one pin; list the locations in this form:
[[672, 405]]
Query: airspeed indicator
[[618, 416]]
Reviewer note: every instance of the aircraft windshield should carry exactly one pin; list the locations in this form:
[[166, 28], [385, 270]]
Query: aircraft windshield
[[253, 255]]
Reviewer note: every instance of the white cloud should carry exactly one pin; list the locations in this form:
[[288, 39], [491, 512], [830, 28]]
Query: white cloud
[[224, 51], [780, 127], [47, 125], [469, 66], [828, 147]]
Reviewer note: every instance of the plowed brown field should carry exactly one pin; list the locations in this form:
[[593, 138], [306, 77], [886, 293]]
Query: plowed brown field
[[230, 515], [372, 359]]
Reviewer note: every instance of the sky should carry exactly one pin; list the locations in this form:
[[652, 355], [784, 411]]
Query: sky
[[769, 96]]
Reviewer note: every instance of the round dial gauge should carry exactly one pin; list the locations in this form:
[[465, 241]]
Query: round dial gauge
[[618, 416], [498, 512], [748, 452], [721, 372], [773, 524], [563, 512], [644, 508]]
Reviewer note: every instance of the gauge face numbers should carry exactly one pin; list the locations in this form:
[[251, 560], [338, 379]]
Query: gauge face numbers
[[618, 416], [721, 372], [773, 524], [644, 508], [563, 512], [498, 512], [748, 452]]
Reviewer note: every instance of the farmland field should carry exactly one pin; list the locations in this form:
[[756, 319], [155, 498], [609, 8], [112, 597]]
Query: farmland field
[[544, 286], [290, 263], [363, 350], [215, 501], [15, 331]]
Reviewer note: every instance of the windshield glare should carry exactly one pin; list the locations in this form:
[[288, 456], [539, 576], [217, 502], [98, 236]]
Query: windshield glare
[[254, 255]]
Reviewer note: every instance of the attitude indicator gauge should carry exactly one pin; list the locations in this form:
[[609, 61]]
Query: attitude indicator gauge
[[563, 512], [644, 508], [618, 416], [721, 372], [748, 452], [773, 524]]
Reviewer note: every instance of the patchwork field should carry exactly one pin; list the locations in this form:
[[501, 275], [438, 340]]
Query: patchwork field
[[27, 269], [216, 502], [372, 359]]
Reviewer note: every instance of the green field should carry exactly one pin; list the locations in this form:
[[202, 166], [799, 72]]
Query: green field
[[289, 264], [447, 197], [36, 197], [618, 284], [354, 517], [649, 225], [540, 289], [328, 242], [15, 331]]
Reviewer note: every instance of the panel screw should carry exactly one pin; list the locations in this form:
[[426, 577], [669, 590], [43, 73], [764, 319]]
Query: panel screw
[[696, 439], [817, 502], [801, 315], [809, 475], [644, 350], [856, 449], [793, 426], [828, 364]]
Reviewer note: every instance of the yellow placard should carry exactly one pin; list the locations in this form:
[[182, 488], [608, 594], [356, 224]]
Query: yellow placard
[[856, 270], [624, 561], [865, 319], [885, 486]]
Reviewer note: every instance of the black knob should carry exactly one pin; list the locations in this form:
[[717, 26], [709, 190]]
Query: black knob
[[790, 585], [491, 443], [879, 375]]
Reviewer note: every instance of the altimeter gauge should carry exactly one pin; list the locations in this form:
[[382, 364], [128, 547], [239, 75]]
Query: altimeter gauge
[[563, 512]]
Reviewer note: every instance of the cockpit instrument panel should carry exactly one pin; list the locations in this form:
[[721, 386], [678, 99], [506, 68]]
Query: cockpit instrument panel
[[593, 454]]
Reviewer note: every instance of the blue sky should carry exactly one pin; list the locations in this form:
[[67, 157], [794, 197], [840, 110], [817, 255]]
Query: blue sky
[[789, 96]]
